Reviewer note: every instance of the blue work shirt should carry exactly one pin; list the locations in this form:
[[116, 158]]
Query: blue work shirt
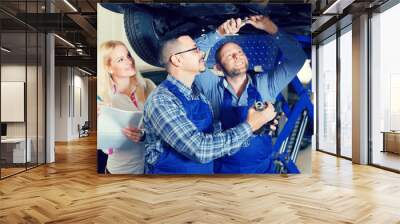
[[269, 84]]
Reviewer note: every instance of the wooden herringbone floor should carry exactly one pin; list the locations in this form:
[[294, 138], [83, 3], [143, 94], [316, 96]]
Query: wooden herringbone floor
[[70, 191]]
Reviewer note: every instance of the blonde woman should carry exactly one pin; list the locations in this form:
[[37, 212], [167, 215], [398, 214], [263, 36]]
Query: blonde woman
[[120, 85]]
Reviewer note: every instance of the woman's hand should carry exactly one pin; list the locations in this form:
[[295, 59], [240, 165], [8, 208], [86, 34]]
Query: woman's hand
[[134, 134]]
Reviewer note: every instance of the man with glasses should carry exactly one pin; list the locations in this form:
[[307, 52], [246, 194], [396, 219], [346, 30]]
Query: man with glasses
[[180, 135], [232, 95]]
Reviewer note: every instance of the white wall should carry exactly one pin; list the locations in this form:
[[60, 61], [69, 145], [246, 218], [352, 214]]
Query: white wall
[[33, 127], [61, 103], [13, 73], [71, 94], [80, 110]]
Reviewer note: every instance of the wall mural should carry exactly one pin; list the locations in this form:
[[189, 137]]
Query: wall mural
[[204, 88]]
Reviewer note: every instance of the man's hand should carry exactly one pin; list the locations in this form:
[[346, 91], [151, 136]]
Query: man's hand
[[257, 119], [231, 26], [134, 134], [263, 23]]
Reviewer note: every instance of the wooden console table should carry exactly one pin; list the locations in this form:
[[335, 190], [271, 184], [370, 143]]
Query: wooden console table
[[391, 141]]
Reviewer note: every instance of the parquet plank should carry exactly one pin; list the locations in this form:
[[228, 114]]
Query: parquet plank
[[70, 191]]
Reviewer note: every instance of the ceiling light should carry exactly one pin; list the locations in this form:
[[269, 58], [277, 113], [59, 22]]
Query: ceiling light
[[70, 5], [64, 40], [5, 50]]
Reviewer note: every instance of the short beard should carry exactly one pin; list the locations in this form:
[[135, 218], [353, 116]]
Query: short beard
[[234, 73]]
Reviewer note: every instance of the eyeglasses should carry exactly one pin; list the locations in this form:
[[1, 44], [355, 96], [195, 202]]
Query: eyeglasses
[[192, 49], [181, 52]]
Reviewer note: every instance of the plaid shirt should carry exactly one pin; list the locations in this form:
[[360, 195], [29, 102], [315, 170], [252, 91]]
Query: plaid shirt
[[165, 121]]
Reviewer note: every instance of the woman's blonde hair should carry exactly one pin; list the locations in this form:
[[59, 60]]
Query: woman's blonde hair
[[104, 79]]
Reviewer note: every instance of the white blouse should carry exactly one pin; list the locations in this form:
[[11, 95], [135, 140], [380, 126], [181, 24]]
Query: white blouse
[[128, 161]]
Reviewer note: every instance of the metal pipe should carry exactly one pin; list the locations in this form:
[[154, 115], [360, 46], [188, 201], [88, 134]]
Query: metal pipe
[[300, 136]]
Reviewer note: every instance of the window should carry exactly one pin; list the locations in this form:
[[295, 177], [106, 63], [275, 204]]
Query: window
[[385, 88], [346, 93], [22, 65], [327, 96]]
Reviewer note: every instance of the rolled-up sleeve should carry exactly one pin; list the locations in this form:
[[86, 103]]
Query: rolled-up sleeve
[[206, 41], [293, 60], [169, 120]]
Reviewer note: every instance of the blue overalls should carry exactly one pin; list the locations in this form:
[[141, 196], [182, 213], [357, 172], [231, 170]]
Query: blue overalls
[[171, 161], [257, 156]]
